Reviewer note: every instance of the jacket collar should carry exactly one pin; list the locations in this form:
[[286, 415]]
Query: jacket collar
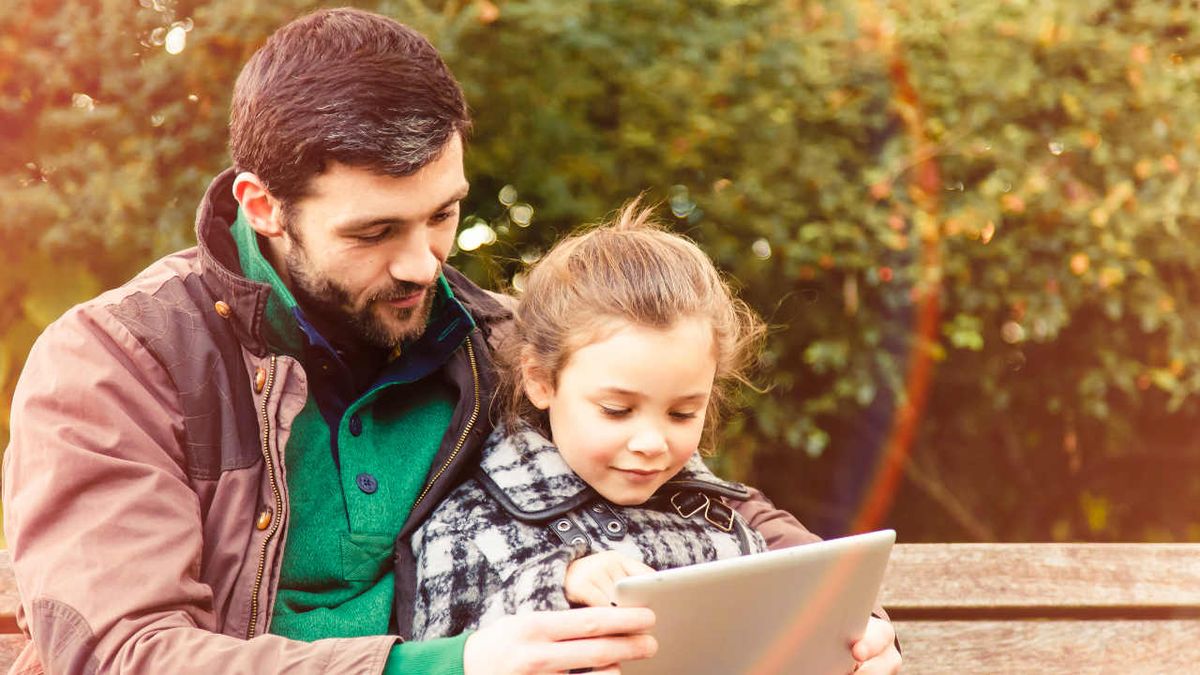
[[221, 273], [526, 475]]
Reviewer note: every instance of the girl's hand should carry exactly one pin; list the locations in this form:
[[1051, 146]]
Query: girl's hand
[[592, 580], [876, 651]]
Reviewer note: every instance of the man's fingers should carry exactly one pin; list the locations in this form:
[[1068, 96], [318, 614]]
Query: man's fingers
[[878, 636], [573, 654], [588, 622], [554, 642]]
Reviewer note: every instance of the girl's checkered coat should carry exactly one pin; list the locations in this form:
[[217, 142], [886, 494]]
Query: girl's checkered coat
[[500, 543]]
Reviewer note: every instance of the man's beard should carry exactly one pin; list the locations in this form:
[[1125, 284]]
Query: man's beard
[[376, 322]]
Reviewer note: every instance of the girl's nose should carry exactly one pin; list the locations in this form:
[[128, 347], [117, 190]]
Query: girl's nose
[[648, 442]]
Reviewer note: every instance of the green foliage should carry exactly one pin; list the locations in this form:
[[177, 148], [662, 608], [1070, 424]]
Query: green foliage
[[778, 134]]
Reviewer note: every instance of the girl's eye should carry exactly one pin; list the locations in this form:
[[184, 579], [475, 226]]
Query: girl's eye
[[683, 415], [610, 411]]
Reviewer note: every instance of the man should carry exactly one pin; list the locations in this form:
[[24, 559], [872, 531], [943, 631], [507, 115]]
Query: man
[[211, 466]]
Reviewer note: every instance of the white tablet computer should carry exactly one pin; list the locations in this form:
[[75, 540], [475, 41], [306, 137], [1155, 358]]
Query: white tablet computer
[[794, 610]]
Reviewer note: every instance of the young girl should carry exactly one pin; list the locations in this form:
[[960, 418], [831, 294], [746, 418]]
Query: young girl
[[625, 338]]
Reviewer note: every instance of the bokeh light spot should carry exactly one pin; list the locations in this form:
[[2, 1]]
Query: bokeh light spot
[[521, 214], [508, 195], [175, 40], [83, 101]]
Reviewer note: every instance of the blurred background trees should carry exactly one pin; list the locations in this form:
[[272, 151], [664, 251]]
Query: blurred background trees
[[972, 225]]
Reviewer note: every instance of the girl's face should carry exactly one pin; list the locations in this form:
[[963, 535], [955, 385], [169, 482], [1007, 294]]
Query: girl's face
[[628, 411]]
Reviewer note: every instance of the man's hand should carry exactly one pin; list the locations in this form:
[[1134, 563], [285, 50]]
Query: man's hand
[[876, 651], [555, 642], [592, 580]]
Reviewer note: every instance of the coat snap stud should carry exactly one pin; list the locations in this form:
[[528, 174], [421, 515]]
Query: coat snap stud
[[260, 379], [264, 520], [223, 309]]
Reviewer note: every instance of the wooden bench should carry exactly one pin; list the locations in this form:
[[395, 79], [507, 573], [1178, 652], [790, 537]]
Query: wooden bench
[[1046, 608], [1001, 608], [11, 639]]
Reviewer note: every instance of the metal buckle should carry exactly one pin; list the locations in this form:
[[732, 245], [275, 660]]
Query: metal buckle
[[699, 505], [725, 526]]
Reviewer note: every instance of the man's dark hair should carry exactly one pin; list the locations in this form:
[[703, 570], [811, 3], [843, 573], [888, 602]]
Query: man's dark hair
[[346, 86]]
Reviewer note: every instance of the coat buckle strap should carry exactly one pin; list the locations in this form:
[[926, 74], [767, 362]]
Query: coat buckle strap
[[688, 504], [609, 522], [720, 515], [569, 532]]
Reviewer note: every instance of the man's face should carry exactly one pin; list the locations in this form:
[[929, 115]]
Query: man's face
[[367, 249]]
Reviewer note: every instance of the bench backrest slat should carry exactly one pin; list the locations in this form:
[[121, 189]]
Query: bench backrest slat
[[1052, 580]]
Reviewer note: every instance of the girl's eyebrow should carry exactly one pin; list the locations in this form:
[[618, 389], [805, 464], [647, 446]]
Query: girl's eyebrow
[[620, 391]]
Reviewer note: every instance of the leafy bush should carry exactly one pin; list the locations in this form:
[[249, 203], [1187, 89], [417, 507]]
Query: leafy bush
[[1021, 173]]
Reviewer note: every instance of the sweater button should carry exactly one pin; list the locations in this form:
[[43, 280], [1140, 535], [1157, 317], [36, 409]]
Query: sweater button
[[355, 425], [264, 520], [223, 309], [367, 483], [260, 379]]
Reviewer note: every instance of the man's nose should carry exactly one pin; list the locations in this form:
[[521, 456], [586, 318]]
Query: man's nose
[[648, 441], [414, 261]]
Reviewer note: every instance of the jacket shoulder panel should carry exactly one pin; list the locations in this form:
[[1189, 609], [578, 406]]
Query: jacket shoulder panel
[[200, 352]]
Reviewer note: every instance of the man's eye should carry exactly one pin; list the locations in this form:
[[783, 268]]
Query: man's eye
[[369, 238], [443, 216], [611, 411]]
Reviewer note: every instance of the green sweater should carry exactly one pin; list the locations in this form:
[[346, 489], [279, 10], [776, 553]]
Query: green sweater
[[356, 462]]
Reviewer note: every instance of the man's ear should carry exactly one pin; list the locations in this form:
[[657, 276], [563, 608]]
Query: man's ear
[[538, 389], [263, 212]]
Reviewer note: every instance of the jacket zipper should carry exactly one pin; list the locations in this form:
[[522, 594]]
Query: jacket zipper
[[466, 430], [266, 453]]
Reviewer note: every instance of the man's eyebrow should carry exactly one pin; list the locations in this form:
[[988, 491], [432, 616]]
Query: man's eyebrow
[[368, 223], [458, 196]]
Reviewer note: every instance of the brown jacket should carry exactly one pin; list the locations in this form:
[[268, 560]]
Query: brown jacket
[[145, 496]]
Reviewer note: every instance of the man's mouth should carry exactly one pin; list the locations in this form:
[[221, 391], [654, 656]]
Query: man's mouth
[[408, 301]]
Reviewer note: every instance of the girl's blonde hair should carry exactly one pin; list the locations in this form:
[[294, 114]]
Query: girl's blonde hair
[[627, 270]]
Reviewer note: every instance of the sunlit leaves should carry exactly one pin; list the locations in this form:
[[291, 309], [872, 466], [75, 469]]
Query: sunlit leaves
[[1066, 136]]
